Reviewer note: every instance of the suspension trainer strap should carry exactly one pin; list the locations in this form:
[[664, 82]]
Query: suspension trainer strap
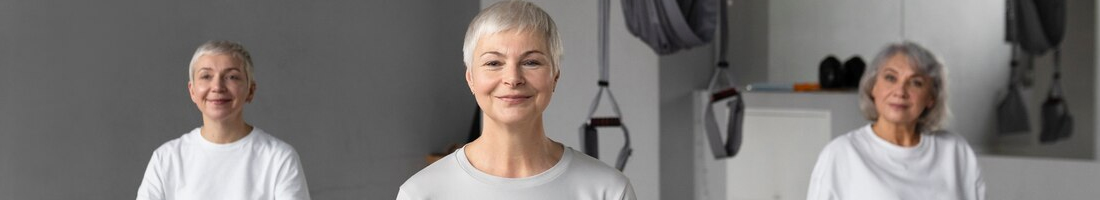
[[589, 133], [723, 92]]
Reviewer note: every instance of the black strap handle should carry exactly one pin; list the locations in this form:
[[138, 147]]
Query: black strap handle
[[724, 94], [590, 139], [606, 121]]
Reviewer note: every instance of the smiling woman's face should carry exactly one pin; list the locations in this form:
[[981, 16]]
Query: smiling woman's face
[[511, 76], [900, 93], [220, 87]]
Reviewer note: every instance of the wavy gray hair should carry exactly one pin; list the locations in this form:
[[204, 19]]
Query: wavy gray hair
[[924, 62], [513, 15]]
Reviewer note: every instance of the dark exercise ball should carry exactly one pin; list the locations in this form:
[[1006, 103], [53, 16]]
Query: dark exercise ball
[[854, 69], [829, 73]]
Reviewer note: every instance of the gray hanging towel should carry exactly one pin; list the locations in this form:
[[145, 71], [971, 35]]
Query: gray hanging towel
[[1040, 24], [668, 26]]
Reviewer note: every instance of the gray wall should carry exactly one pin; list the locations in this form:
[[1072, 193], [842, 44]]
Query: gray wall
[[363, 89], [681, 74], [748, 41]]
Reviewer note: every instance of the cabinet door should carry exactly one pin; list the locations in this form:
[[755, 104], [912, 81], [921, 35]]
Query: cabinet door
[[780, 149]]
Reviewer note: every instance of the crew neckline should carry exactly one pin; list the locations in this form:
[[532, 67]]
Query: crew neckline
[[524, 182], [922, 144], [196, 135]]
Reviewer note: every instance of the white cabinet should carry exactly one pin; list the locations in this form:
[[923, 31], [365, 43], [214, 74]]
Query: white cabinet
[[783, 134]]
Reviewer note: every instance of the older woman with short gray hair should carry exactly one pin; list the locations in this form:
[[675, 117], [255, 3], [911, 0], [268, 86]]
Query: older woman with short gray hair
[[512, 53], [225, 158], [904, 153]]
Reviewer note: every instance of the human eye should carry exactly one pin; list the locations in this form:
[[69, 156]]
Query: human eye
[[918, 83], [890, 77], [532, 63], [492, 63]]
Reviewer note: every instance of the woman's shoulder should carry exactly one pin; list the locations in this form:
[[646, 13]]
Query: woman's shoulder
[[583, 165], [435, 175], [446, 166], [263, 139], [847, 141], [173, 146], [945, 135], [594, 175], [949, 139], [956, 148]]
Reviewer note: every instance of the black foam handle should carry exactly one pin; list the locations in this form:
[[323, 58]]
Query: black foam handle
[[605, 122], [591, 141], [602, 83], [733, 127], [723, 64], [721, 95]]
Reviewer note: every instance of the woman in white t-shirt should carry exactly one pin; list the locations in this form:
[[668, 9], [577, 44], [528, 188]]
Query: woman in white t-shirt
[[512, 54], [903, 153], [226, 158]]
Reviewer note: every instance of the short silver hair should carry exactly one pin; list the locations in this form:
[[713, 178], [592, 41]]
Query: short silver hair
[[924, 62], [223, 47], [513, 15]]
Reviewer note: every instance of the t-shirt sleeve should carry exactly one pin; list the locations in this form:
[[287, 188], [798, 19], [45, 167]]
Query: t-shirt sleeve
[[402, 196], [152, 186], [974, 174], [980, 189], [292, 180], [628, 192], [821, 177]]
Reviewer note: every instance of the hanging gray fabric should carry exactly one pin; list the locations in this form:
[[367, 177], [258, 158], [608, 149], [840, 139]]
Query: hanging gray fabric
[[1040, 24], [1057, 121], [668, 26], [1037, 26], [588, 129], [1012, 115]]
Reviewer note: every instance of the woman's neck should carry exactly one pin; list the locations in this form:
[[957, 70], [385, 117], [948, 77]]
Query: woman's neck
[[901, 134], [224, 131], [513, 150]]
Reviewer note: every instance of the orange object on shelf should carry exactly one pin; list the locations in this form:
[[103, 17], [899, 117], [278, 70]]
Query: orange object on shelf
[[807, 87]]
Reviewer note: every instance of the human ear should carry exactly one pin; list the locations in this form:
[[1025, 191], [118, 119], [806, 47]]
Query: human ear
[[251, 92]]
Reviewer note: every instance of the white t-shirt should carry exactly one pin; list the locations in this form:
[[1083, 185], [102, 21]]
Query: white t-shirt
[[576, 176], [860, 165], [258, 166]]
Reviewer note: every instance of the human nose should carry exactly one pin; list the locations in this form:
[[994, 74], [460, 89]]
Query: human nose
[[513, 76], [218, 85], [902, 89]]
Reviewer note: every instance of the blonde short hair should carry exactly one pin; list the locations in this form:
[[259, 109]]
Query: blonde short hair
[[513, 16]]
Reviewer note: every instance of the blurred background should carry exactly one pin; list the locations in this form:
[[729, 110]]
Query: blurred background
[[365, 90]]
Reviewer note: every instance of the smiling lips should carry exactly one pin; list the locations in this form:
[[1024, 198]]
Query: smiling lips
[[514, 99], [219, 101], [899, 106]]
